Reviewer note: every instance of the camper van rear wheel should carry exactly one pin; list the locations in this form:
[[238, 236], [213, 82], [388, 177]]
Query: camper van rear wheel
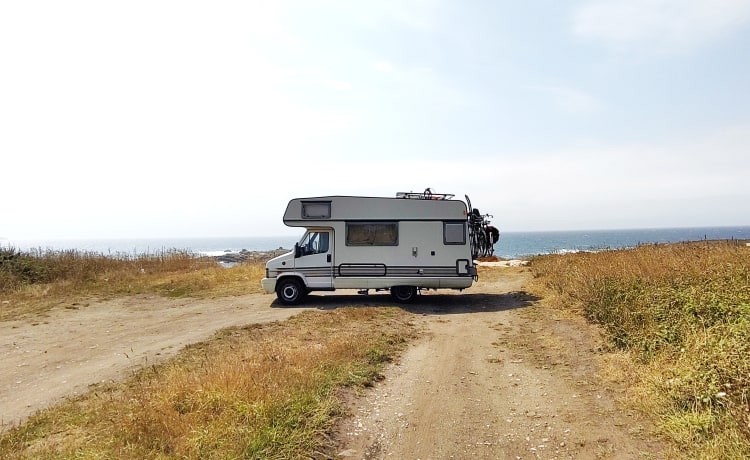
[[290, 291], [404, 294]]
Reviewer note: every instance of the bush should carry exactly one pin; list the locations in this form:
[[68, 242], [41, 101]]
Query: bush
[[17, 269]]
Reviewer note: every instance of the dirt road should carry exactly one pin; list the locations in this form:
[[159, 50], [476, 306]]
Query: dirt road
[[496, 373], [62, 354]]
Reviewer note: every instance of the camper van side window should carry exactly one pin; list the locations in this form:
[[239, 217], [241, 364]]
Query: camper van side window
[[454, 232], [316, 209], [372, 233]]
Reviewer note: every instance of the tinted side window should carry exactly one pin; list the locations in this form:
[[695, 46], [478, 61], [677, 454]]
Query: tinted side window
[[454, 232], [316, 209], [372, 234]]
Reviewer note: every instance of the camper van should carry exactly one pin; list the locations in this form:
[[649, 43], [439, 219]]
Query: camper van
[[401, 244]]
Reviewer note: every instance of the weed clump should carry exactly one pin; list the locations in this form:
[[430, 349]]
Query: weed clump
[[17, 269]]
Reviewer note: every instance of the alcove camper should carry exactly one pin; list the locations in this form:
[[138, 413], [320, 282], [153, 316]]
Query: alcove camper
[[403, 244]]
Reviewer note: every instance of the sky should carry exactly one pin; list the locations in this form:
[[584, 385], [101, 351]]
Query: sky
[[203, 119]]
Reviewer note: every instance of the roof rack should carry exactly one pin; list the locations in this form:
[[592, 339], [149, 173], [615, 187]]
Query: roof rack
[[426, 195]]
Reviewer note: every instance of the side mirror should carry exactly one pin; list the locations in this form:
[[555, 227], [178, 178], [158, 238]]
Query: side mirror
[[297, 251]]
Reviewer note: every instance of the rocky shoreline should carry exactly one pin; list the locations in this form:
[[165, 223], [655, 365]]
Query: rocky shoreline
[[249, 256]]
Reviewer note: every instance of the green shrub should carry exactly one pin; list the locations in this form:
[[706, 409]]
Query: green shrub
[[17, 269]]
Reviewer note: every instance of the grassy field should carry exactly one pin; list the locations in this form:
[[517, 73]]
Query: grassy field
[[270, 391], [266, 391], [678, 315], [32, 283], [262, 391], [681, 314]]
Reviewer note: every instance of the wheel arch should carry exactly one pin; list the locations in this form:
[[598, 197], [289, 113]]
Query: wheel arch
[[286, 276]]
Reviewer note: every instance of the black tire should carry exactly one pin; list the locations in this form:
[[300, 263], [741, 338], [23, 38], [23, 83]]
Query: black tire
[[482, 245], [404, 294], [474, 242], [290, 291]]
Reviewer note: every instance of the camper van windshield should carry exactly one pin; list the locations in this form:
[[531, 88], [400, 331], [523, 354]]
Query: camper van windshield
[[314, 243]]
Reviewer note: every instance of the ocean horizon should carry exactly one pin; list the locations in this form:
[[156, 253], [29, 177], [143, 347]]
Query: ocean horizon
[[512, 245]]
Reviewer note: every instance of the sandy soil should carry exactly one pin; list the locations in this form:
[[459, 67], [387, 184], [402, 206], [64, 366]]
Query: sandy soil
[[495, 374], [505, 376], [62, 354]]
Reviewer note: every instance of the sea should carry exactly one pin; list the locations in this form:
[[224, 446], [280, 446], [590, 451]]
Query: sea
[[512, 245]]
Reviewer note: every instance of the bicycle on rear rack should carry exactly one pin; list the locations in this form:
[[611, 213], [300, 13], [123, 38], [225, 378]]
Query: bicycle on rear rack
[[482, 235]]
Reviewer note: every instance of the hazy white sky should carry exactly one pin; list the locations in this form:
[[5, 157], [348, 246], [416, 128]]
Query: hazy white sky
[[186, 118]]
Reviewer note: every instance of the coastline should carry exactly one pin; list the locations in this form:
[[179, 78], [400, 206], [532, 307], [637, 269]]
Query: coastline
[[512, 245], [244, 256]]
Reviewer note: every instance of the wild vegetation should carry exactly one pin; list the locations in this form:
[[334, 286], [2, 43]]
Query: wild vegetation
[[682, 313], [266, 391], [679, 313], [270, 391], [36, 281]]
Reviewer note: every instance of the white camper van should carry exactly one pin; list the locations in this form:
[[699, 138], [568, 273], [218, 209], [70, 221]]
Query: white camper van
[[403, 244]]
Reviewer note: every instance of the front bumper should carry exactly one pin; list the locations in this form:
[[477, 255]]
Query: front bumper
[[269, 285]]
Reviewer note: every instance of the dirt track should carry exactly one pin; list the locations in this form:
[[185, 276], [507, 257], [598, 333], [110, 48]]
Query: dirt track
[[496, 374], [61, 354]]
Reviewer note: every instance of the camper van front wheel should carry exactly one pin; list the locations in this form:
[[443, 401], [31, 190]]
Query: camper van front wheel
[[290, 291], [404, 294]]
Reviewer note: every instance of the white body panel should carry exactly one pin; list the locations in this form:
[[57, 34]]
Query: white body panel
[[426, 244]]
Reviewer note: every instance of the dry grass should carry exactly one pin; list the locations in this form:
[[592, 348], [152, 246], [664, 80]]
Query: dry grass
[[32, 283], [682, 312], [255, 392]]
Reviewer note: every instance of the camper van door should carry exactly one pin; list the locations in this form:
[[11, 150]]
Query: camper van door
[[314, 258]]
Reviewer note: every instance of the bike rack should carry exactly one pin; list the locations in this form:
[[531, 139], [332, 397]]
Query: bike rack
[[426, 195], [479, 237]]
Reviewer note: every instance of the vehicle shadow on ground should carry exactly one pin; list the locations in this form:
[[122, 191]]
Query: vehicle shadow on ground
[[431, 304]]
